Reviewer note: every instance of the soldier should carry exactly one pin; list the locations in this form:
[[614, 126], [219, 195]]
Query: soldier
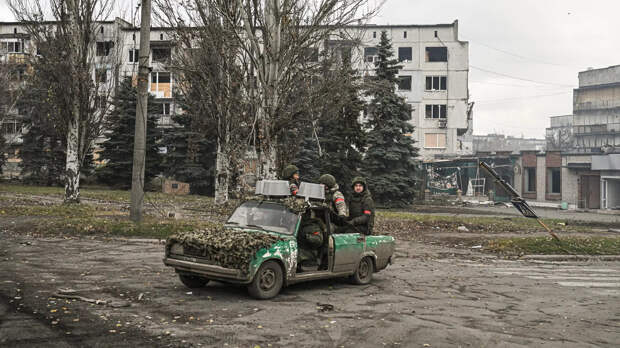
[[361, 207], [291, 173], [333, 195]]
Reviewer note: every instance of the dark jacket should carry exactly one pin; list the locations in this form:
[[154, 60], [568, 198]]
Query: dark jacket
[[362, 211]]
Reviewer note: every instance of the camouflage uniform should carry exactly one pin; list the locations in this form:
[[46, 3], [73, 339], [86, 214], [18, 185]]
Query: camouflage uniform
[[362, 208], [333, 195], [287, 174]]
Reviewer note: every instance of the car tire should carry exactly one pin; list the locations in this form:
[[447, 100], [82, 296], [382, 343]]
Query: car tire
[[267, 281], [192, 281], [363, 274]]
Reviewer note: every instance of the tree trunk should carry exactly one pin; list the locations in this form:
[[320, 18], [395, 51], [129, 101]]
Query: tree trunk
[[72, 166], [222, 176], [139, 145]]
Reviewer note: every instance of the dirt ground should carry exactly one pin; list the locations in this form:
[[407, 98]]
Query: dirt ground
[[431, 297], [67, 290]]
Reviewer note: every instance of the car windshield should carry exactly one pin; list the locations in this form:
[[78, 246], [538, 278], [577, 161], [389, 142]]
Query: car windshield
[[265, 216]]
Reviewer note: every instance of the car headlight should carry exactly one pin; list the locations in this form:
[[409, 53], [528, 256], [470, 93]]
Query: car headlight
[[176, 248]]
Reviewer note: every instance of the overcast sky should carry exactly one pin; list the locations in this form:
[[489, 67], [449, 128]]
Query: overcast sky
[[546, 41]]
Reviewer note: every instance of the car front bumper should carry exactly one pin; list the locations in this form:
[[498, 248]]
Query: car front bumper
[[214, 272]]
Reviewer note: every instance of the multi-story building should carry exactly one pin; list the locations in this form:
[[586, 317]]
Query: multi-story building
[[501, 143], [433, 80], [589, 142]]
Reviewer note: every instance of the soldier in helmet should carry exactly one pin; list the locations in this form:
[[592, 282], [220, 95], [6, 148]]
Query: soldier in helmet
[[333, 195], [291, 173], [361, 207]]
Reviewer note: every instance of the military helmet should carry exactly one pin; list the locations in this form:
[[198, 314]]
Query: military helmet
[[289, 170], [358, 180], [328, 180]]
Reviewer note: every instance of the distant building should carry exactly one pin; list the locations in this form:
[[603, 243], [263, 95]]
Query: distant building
[[589, 142], [500, 143]]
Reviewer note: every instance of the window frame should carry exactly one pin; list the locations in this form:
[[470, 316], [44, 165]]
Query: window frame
[[439, 110], [134, 55], [437, 57], [404, 48], [404, 78], [440, 80], [527, 182], [437, 136]]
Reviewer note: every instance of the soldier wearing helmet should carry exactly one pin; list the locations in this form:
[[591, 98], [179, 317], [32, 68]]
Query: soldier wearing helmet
[[291, 173], [333, 195]]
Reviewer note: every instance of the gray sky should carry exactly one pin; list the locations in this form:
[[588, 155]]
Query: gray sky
[[547, 41]]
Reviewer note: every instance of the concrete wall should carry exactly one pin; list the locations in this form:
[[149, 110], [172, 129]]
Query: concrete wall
[[599, 76], [541, 176]]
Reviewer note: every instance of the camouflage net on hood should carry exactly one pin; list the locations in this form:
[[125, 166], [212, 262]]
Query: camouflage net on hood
[[223, 246]]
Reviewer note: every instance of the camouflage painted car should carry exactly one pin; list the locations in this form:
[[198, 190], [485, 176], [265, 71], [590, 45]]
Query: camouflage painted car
[[349, 254]]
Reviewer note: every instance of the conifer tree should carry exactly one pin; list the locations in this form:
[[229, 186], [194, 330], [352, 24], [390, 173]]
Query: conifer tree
[[389, 160], [43, 148], [190, 155], [118, 148]]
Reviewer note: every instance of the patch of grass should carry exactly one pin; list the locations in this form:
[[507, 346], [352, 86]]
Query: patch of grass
[[53, 210], [547, 245], [478, 223], [116, 227], [32, 190]]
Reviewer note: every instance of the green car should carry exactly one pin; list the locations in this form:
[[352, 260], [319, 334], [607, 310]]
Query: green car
[[270, 268]]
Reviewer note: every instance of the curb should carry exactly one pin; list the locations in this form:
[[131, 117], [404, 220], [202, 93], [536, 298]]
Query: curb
[[570, 257], [138, 240]]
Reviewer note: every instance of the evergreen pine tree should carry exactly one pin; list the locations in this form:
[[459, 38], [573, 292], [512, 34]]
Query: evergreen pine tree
[[341, 134], [191, 155], [389, 160], [307, 160], [117, 150], [43, 148]]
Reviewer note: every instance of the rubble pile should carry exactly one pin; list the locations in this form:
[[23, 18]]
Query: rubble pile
[[224, 247]]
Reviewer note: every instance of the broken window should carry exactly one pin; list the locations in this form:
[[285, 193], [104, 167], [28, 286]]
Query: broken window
[[369, 54], [436, 54], [404, 54], [101, 75], [436, 83], [404, 83], [134, 54], [161, 54], [435, 140], [529, 179], [554, 182], [104, 48], [435, 111]]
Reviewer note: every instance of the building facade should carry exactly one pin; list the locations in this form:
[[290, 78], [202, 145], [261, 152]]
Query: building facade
[[589, 142], [433, 80]]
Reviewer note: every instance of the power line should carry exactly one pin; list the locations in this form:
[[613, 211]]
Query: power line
[[534, 60], [513, 85], [520, 78], [520, 98]]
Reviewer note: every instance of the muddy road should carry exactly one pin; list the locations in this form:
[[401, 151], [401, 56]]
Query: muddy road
[[431, 297]]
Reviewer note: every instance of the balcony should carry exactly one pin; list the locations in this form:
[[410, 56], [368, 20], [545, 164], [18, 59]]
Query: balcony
[[597, 129]]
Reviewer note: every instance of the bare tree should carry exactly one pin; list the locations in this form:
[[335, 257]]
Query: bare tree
[[272, 40], [70, 30], [211, 71]]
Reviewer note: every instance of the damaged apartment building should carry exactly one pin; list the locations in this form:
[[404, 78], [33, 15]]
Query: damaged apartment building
[[433, 80], [587, 144]]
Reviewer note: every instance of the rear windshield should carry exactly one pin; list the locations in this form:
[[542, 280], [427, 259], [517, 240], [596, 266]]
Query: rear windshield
[[264, 216]]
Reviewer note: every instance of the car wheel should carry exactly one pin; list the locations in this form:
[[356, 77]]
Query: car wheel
[[363, 274], [267, 282], [192, 281]]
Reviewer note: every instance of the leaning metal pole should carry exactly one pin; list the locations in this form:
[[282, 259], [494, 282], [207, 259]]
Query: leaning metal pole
[[139, 142]]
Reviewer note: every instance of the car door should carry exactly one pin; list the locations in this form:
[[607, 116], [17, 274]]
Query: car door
[[348, 249]]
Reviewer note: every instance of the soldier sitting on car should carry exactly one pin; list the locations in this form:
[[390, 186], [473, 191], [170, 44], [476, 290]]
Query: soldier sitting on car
[[291, 173]]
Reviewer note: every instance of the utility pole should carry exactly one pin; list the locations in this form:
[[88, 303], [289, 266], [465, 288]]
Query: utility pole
[[139, 140]]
